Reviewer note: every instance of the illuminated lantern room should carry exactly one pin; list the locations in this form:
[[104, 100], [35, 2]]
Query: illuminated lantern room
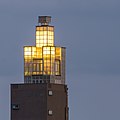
[[44, 62]]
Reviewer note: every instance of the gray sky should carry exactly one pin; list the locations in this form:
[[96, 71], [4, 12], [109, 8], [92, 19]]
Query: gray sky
[[90, 29]]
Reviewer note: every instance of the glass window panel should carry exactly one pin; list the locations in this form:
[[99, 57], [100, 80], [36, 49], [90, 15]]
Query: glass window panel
[[41, 33], [45, 37], [37, 28], [45, 28], [37, 33], [52, 33], [41, 28], [45, 32], [37, 37], [41, 37]]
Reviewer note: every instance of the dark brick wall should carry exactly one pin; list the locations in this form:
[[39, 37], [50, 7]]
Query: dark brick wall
[[32, 102], [57, 102]]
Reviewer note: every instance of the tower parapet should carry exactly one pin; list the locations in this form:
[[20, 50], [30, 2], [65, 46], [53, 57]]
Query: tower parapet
[[44, 20]]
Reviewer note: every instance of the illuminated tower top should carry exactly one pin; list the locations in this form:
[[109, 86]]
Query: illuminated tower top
[[44, 32], [44, 62]]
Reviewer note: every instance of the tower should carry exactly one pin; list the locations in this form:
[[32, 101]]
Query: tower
[[43, 96]]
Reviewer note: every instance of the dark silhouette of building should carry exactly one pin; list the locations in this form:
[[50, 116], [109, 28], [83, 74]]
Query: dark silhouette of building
[[44, 94]]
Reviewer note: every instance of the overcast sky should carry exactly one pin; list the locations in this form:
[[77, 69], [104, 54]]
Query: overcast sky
[[90, 29]]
